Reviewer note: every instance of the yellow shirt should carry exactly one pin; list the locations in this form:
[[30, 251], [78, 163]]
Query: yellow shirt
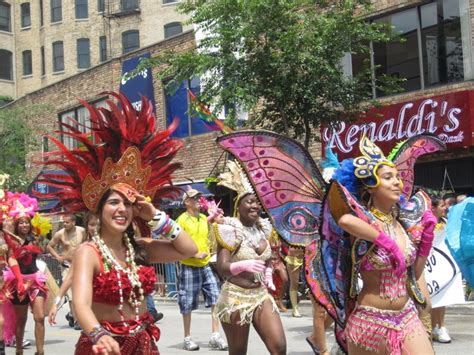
[[198, 230]]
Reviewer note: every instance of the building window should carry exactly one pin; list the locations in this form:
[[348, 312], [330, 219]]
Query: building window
[[173, 29], [27, 63], [6, 69], [178, 105], [78, 118], [130, 41], [442, 43], [41, 13], [129, 5], [81, 9], [83, 53], [58, 56], [56, 11], [103, 48], [5, 22], [169, 1], [100, 5], [25, 14], [431, 52], [43, 64]]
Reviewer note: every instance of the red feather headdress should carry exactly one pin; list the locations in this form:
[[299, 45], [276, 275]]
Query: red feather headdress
[[124, 148]]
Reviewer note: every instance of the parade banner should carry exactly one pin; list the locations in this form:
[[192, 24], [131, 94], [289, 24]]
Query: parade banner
[[448, 116], [139, 85], [442, 274]]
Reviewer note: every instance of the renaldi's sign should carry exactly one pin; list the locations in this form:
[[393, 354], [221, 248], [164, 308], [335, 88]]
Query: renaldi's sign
[[447, 116]]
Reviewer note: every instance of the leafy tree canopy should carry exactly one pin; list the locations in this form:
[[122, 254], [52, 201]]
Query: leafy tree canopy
[[279, 60], [16, 140]]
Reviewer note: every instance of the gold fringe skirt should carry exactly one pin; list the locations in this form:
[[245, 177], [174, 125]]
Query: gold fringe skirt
[[234, 298]]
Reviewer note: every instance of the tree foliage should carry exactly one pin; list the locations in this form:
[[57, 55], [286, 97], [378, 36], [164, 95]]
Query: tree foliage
[[16, 139], [280, 60]]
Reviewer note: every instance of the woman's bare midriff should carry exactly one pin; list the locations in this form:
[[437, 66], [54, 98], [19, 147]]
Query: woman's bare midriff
[[108, 312], [245, 280], [370, 293]]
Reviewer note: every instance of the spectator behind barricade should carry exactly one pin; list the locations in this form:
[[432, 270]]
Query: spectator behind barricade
[[92, 225], [68, 238], [196, 275]]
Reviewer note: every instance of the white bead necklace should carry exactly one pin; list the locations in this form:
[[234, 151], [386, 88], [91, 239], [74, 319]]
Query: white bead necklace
[[136, 296]]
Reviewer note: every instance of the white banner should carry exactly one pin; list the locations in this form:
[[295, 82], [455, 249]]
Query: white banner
[[442, 274]]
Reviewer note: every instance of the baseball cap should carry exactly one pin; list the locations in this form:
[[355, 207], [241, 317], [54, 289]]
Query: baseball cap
[[191, 193]]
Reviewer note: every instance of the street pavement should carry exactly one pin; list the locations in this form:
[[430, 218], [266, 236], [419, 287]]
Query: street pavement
[[60, 339]]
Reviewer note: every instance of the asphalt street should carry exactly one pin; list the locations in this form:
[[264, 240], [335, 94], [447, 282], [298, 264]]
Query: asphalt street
[[60, 339]]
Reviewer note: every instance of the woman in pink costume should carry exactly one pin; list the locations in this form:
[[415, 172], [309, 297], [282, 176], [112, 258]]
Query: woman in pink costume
[[25, 284], [385, 319]]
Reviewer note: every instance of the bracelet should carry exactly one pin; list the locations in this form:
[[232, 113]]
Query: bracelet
[[57, 301], [96, 333], [158, 222], [162, 224]]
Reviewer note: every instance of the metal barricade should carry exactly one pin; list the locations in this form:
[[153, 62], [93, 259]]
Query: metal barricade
[[167, 280], [53, 266]]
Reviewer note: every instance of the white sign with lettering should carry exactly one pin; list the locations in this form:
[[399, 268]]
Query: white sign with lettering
[[443, 276]]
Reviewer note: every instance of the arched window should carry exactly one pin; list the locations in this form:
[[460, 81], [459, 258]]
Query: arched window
[[81, 9], [173, 29], [5, 17], [130, 41], [58, 56], [27, 63], [6, 65], [25, 14], [83, 53], [102, 48], [129, 5], [56, 10]]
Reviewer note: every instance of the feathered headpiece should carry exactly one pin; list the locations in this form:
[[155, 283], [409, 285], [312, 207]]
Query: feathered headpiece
[[235, 179], [124, 152], [41, 225], [21, 205]]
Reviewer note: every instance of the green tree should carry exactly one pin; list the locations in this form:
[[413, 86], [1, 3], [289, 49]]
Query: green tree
[[279, 60], [16, 139]]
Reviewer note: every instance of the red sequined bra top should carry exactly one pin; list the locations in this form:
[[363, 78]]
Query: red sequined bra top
[[105, 285]]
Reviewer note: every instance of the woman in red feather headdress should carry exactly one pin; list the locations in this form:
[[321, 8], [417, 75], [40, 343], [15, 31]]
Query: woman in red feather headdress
[[119, 173]]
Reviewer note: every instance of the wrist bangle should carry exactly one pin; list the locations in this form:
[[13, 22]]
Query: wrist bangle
[[57, 301], [96, 333]]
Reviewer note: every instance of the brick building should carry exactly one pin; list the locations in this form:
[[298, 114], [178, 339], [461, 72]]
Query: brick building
[[43, 42], [199, 154]]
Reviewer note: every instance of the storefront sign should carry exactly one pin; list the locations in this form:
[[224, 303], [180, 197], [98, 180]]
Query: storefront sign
[[447, 116]]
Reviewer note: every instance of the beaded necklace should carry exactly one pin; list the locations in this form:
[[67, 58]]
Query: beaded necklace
[[136, 296]]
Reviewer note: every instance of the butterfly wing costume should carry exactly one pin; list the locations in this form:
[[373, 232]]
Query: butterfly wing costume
[[304, 210]]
